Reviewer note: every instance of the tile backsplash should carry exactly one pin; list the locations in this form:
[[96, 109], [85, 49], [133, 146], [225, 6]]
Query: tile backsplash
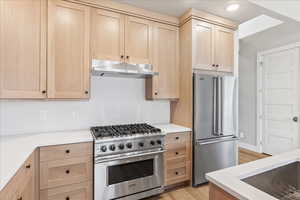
[[113, 101]]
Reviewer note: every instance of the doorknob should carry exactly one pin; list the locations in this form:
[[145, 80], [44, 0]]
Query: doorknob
[[295, 119]]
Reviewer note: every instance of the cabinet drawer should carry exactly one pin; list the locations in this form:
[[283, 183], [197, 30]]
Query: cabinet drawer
[[81, 191], [175, 153], [177, 140], [176, 175], [176, 163], [64, 172], [65, 151]]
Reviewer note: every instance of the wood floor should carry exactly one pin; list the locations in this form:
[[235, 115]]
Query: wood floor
[[202, 192]]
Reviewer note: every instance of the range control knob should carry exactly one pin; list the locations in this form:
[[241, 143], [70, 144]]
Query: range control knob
[[141, 144], [152, 142], [129, 145], [103, 148], [158, 142], [121, 146], [112, 147]]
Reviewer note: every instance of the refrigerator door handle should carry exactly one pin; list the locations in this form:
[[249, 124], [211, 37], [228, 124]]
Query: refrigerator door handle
[[220, 110], [199, 142], [215, 119]]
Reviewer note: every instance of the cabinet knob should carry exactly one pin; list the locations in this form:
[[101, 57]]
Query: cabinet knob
[[67, 171], [122, 56], [127, 57], [176, 153], [86, 92], [28, 166], [217, 65], [20, 198], [67, 198], [67, 151], [177, 138], [44, 91], [176, 173], [156, 93]]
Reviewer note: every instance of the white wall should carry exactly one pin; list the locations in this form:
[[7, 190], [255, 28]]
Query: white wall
[[113, 101], [249, 47]]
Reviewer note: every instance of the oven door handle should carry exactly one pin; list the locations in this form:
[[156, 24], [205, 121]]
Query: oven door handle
[[101, 160]]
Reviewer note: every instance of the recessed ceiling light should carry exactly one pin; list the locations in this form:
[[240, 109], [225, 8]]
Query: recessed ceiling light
[[233, 7]]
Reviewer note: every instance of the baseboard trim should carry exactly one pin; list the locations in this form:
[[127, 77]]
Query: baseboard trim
[[249, 147]]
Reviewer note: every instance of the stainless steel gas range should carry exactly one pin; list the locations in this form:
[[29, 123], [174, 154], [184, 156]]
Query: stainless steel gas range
[[128, 161]]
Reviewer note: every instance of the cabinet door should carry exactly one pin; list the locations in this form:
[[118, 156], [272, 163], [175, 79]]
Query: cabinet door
[[138, 41], [107, 35], [165, 62], [224, 49], [22, 49], [202, 46], [68, 50]]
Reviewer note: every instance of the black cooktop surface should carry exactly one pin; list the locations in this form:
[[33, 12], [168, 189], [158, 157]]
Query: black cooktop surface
[[123, 130]]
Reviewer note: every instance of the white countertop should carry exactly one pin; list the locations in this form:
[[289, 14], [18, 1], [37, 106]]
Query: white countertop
[[230, 179], [14, 150], [172, 128]]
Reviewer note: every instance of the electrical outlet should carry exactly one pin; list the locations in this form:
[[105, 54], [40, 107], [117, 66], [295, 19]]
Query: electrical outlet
[[75, 115], [242, 135], [43, 115]]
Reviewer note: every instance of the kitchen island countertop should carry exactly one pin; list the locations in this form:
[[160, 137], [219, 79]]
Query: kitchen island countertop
[[230, 179]]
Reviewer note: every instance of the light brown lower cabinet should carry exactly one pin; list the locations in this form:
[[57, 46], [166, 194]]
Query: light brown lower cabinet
[[24, 185], [65, 176], [79, 191], [216, 193], [177, 158], [65, 172]]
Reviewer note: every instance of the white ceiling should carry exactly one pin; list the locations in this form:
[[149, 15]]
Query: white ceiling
[[176, 8], [289, 8]]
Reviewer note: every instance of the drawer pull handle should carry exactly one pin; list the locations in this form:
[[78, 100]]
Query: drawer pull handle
[[177, 138], [67, 171], [67, 198], [67, 151], [27, 166], [176, 153], [176, 173]]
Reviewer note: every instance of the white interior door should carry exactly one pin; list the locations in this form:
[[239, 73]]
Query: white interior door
[[280, 101]]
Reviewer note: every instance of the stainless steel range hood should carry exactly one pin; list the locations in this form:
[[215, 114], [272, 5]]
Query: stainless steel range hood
[[121, 69]]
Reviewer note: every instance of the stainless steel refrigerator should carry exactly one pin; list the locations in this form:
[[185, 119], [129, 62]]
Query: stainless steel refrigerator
[[214, 119]]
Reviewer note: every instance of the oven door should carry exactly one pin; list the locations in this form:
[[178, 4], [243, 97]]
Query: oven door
[[117, 178]]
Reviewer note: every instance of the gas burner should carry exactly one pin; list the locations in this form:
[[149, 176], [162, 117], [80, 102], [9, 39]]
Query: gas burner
[[123, 130], [127, 138]]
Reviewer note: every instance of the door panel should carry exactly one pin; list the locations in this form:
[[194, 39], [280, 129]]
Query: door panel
[[228, 121], [68, 50], [203, 106], [22, 49], [138, 41], [166, 62], [210, 155], [108, 35], [280, 101], [224, 49], [203, 45]]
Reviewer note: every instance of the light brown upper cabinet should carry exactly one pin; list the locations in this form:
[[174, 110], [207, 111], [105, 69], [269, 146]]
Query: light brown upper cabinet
[[68, 50], [108, 35], [23, 49], [224, 49], [166, 62], [212, 47], [122, 38], [203, 45], [138, 41]]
